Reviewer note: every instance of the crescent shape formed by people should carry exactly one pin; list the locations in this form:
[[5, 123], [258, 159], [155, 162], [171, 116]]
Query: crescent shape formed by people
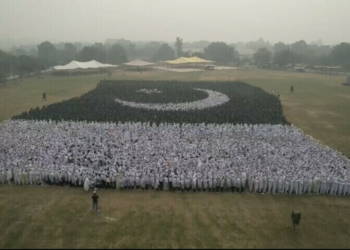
[[214, 99]]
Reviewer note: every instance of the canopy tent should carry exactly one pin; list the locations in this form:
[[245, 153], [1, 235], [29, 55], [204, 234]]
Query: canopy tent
[[188, 60], [328, 69], [180, 60], [138, 63], [196, 59], [84, 65]]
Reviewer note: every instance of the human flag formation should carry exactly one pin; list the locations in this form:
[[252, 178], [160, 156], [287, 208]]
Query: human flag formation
[[171, 136]]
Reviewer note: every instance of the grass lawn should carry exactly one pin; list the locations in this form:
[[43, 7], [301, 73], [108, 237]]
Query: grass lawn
[[320, 105], [61, 217]]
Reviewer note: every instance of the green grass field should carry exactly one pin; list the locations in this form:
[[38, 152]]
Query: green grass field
[[61, 217], [319, 105], [53, 217]]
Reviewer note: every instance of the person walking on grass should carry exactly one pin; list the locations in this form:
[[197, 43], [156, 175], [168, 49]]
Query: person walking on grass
[[95, 202]]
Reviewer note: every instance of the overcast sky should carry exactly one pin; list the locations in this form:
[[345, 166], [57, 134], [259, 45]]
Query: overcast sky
[[213, 20]]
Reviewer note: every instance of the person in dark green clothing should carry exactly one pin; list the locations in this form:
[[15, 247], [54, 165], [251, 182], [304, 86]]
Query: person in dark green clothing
[[95, 202]]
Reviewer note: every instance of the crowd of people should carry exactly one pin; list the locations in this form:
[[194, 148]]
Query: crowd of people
[[179, 102], [149, 91], [214, 99], [171, 157]]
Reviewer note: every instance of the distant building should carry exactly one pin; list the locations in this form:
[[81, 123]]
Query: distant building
[[347, 82], [327, 69], [245, 53]]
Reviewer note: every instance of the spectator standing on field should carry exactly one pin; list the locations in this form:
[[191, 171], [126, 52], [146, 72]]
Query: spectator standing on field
[[95, 202]]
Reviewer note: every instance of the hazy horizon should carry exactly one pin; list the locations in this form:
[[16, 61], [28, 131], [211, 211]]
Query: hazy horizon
[[34, 21]]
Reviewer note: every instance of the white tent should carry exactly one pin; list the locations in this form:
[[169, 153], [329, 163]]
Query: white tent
[[188, 60], [84, 65], [138, 63]]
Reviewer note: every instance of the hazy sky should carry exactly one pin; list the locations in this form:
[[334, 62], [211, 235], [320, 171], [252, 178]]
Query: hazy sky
[[213, 20]]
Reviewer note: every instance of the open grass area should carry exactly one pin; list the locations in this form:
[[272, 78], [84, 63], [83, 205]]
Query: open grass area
[[53, 217], [319, 105], [61, 217]]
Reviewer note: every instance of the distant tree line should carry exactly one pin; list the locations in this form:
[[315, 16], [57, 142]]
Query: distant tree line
[[306, 54], [27, 59], [18, 65]]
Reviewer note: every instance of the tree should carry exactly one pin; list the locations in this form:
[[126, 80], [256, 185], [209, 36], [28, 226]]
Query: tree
[[146, 49], [325, 50], [12, 65], [67, 54], [285, 57], [319, 42], [6, 64], [2, 77], [126, 44], [238, 45], [199, 54], [69, 51], [18, 51], [165, 52], [312, 54], [59, 46], [280, 47], [255, 45], [310, 57], [200, 44], [186, 53], [89, 53], [220, 52], [299, 47], [263, 56], [79, 46], [324, 60], [111, 41], [178, 46], [47, 52], [341, 55], [117, 54], [33, 52], [26, 64]]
